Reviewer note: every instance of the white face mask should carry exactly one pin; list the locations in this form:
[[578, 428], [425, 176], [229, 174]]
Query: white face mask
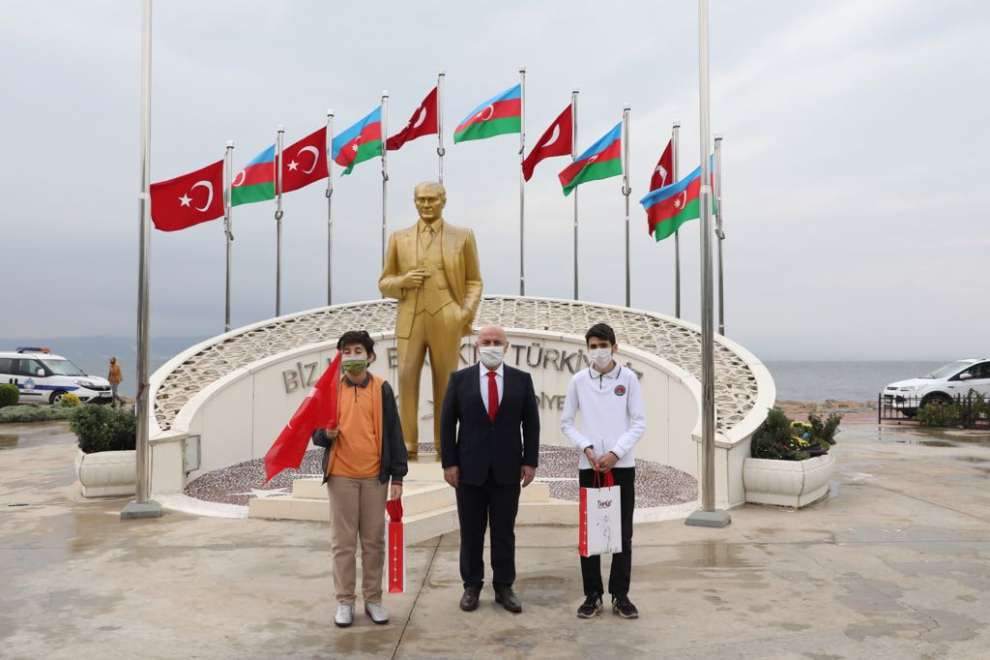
[[491, 356], [601, 357]]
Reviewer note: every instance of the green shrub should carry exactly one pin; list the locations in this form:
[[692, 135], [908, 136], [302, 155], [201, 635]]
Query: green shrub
[[100, 428], [775, 439], [28, 413], [780, 438], [9, 394], [967, 412], [70, 400], [939, 415], [823, 432]]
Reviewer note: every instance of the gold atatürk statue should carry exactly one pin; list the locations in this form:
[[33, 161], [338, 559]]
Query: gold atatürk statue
[[432, 270]]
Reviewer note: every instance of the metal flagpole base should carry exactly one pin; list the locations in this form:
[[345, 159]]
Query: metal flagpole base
[[715, 518], [135, 509]]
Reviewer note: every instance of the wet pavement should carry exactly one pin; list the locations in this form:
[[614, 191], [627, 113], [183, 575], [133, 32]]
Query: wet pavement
[[895, 563]]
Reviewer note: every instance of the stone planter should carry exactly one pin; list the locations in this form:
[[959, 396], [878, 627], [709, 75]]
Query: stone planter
[[787, 483], [106, 473]]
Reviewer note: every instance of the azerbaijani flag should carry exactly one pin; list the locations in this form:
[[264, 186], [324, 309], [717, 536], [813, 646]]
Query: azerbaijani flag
[[360, 142], [669, 207], [498, 115], [601, 160], [256, 182]]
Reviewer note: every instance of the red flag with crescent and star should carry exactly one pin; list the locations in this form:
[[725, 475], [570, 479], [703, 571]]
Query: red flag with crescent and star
[[189, 199], [305, 161], [423, 122], [557, 140], [663, 173], [318, 409]]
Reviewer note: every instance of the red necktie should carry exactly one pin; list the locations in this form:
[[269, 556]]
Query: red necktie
[[492, 396]]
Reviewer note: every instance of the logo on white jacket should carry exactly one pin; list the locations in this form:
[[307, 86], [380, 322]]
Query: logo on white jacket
[[620, 390]]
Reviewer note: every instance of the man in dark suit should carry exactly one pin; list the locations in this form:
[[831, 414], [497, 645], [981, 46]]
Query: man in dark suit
[[489, 444]]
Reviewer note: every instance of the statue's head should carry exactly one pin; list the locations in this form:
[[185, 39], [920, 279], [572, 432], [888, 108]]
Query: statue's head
[[430, 198]]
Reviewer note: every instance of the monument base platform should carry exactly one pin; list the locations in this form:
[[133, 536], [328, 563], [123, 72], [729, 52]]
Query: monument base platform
[[429, 504]]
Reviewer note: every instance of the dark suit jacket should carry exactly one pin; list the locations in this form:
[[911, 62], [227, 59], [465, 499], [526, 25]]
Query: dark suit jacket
[[477, 445]]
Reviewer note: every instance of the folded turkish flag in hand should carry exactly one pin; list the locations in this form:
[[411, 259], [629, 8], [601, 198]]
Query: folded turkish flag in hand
[[396, 548], [189, 199]]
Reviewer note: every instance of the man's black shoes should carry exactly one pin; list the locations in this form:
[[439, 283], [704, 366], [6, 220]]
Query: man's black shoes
[[591, 606], [507, 598], [622, 606], [469, 601]]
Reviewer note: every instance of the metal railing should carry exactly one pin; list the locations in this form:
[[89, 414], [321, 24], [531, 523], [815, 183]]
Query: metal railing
[[970, 410]]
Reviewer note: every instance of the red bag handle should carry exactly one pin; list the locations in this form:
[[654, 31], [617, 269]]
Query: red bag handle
[[609, 480]]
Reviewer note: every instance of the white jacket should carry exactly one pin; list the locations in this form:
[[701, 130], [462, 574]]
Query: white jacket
[[612, 417]]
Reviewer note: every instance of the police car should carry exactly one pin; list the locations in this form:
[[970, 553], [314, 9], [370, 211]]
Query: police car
[[43, 377]]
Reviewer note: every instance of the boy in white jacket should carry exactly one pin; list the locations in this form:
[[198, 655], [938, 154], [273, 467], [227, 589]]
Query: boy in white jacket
[[612, 420]]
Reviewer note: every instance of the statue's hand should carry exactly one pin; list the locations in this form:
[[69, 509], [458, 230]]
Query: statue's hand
[[414, 279]]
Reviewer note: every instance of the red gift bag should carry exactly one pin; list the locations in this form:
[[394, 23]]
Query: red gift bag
[[396, 556], [600, 525]]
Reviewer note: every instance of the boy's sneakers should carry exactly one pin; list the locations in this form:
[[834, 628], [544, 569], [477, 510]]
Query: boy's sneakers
[[622, 606], [344, 616], [376, 612], [591, 606]]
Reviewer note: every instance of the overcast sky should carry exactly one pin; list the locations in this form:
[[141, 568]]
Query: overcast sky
[[855, 154]]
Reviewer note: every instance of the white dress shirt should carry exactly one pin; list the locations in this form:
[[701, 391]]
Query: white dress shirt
[[499, 382]]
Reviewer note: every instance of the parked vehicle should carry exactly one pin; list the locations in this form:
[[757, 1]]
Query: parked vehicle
[[944, 385], [43, 377]]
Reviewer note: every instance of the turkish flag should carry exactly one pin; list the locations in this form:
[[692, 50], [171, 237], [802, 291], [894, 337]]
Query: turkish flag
[[318, 409], [557, 140], [189, 199], [423, 122], [663, 173], [305, 161]]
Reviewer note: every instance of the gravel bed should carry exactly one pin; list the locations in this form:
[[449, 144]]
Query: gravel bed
[[656, 484]]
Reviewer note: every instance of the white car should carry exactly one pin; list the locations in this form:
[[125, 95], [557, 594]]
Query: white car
[[956, 379], [45, 378]]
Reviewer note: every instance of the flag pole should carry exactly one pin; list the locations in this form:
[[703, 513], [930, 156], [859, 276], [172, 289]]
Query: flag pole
[[228, 159], [707, 516], [574, 141], [626, 190], [384, 170], [278, 219], [329, 195], [142, 506], [522, 181], [440, 150], [675, 147], [719, 233]]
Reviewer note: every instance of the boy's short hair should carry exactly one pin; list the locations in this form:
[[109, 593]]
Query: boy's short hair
[[600, 331], [352, 337]]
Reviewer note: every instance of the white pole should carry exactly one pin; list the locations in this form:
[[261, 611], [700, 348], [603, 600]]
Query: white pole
[[278, 219], [574, 140], [708, 516], [674, 153], [142, 506], [719, 233], [626, 191], [228, 161], [329, 194], [522, 181], [440, 150], [384, 171]]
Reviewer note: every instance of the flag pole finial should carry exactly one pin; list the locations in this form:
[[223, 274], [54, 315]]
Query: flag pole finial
[[677, 123]]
